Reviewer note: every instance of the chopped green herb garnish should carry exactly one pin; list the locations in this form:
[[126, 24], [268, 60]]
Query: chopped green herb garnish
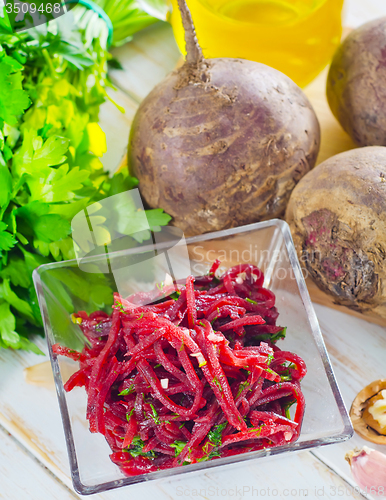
[[251, 301], [178, 447], [242, 386], [215, 435], [257, 430], [215, 380], [155, 415], [120, 307], [205, 448], [136, 449], [270, 371], [212, 454], [99, 327], [287, 409], [286, 374], [269, 336], [128, 415], [175, 295], [125, 392]]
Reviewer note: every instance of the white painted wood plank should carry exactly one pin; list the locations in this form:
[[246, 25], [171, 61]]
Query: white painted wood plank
[[358, 354], [295, 477], [146, 60], [116, 125], [24, 478], [357, 12], [31, 413]]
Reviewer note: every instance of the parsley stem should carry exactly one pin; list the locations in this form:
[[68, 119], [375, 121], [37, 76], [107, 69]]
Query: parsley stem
[[49, 62]]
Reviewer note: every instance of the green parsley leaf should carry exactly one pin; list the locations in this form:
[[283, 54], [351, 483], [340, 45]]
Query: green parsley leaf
[[50, 149], [8, 325], [20, 305], [7, 241], [16, 271], [13, 99], [35, 156], [157, 218], [57, 184], [8, 335], [5, 186], [39, 223]]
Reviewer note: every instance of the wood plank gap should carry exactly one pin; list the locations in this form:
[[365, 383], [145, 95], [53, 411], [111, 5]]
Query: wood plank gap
[[38, 461], [130, 95], [26, 442]]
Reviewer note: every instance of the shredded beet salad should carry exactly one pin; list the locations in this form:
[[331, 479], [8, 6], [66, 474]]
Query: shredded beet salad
[[191, 378]]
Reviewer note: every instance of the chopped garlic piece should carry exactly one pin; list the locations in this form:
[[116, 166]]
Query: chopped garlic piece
[[378, 409], [168, 280], [164, 383], [213, 337], [200, 358], [240, 278]]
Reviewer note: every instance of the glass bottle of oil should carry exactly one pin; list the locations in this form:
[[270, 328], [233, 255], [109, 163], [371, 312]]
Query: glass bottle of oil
[[297, 37]]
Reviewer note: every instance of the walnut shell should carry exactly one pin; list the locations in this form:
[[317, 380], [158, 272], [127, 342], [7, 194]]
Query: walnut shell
[[358, 408]]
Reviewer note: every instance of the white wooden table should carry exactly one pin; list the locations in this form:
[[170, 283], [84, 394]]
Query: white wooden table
[[33, 458]]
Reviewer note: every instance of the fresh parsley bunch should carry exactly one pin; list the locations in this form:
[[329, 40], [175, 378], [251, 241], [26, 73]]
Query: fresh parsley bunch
[[53, 80]]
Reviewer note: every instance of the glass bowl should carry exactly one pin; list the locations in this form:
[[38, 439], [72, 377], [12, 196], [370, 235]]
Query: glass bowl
[[67, 287]]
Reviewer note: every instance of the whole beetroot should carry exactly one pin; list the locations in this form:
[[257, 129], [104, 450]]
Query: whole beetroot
[[337, 215], [356, 89], [222, 142]]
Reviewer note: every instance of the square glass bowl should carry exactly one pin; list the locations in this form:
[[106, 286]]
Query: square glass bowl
[[67, 287]]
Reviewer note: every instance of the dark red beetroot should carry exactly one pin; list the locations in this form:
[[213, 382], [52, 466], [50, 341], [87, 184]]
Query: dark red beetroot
[[356, 87], [337, 215], [222, 142]]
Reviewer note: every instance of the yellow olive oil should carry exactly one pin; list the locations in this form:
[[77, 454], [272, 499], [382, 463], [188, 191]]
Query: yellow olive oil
[[297, 37]]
